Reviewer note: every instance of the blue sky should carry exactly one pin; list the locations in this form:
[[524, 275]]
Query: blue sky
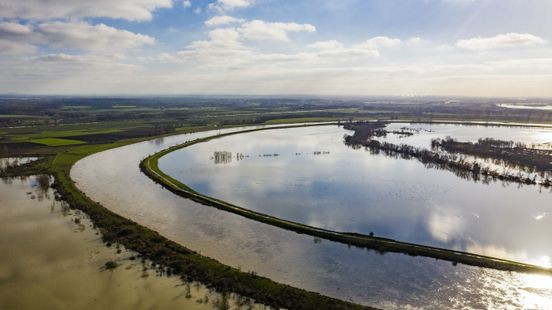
[[320, 47]]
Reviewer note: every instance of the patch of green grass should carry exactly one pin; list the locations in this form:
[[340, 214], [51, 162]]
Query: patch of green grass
[[20, 116], [123, 106], [56, 141], [62, 134]]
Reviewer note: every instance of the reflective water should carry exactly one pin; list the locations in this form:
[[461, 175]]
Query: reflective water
[[390, 281], [15, 161], [52, 258], [470, 133], [538, 106], [308, 175]]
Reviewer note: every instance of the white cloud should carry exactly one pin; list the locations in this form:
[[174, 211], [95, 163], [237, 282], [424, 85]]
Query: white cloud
[[83, 36], [13, 37], [261, 30], [8, 29], [54, 48], [453, 1], [139, 10], [79, 36], [226, 59], [8, 47], [227, 5], [226, 48], [326, 45], [228, 35], [58, 73], [501, 41], [379, 42], [224, 45], [61, 57], [223, 20]]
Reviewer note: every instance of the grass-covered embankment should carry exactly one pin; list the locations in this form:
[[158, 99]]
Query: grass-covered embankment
[[179, 259], [150, 167]]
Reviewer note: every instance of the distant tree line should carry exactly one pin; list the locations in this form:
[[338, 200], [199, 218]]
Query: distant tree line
[[508, 153], [364, 133]]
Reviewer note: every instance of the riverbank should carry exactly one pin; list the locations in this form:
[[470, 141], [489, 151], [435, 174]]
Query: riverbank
[[43, 241], [64, 160], [180, 260], [372, 242]]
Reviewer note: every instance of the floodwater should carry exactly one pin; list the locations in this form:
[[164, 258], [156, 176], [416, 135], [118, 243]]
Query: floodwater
[[52, 258], [309, 176], [363, 276], [537, 106], [15, 161]]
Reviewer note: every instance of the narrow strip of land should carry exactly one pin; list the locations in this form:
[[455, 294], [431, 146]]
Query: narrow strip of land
[[151, 168]]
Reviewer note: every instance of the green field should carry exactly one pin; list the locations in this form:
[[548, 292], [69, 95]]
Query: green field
[[56, 141], [20, 116], [123, 106], [62, 134]]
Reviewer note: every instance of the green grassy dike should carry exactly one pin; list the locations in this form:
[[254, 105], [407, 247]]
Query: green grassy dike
[[150, 167], [182, 261]]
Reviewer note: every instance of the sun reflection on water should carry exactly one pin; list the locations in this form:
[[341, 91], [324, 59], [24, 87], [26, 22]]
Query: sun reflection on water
[[543, 261], [536, 291], [543, 136]]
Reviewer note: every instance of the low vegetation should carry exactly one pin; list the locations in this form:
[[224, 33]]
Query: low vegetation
[[473, 170], [56, 141], [534, 159]]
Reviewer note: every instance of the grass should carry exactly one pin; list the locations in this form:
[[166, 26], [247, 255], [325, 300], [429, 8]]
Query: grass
[[56, 141], [65, 133], [150, 167], [123, 106], [20, 116]]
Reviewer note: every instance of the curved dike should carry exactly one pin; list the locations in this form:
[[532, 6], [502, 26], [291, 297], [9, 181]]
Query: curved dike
[[150, 167]]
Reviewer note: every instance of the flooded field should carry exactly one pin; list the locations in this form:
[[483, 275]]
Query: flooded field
[[15, 161], [390, 281], [535, 106], [308, 175], [51, 257]]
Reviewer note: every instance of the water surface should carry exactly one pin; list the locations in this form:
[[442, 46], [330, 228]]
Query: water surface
[[52, 258], [308, 175], [389, 281]]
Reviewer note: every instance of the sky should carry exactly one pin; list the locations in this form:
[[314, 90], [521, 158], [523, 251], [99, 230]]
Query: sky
[[491, 48]]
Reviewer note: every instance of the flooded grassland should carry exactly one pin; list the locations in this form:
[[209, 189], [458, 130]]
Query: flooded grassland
[[52, 257]]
